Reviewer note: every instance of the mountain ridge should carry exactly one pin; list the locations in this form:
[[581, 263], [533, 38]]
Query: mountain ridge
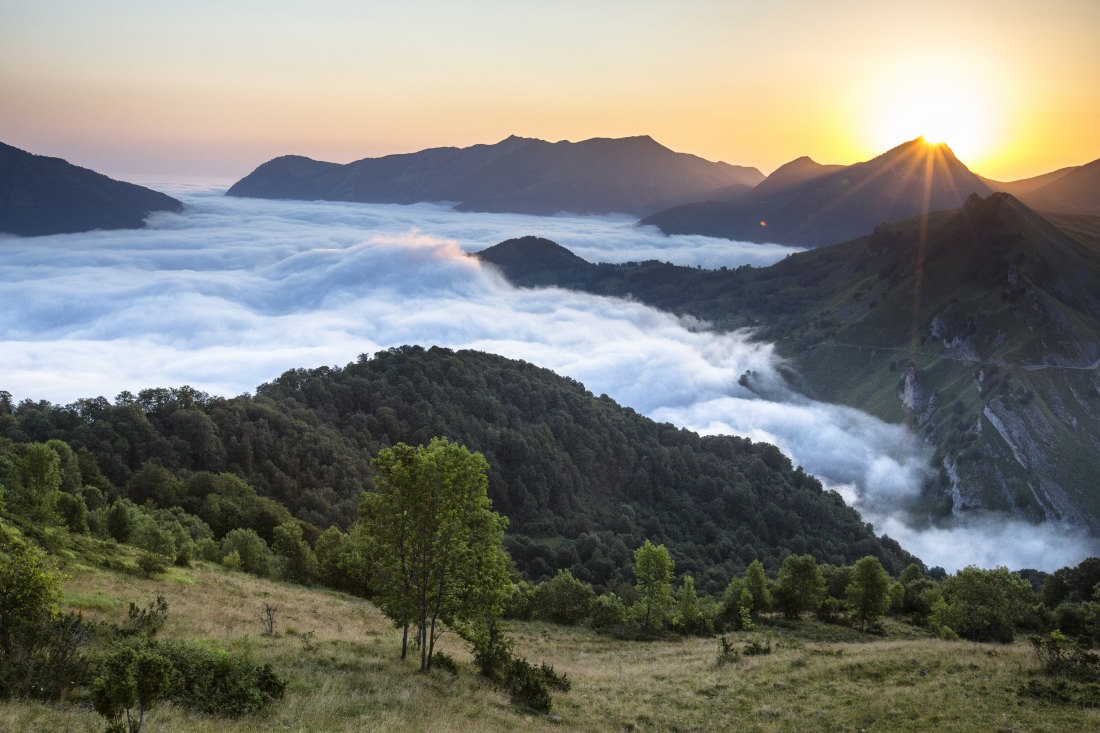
[[633, 175], [42, 195], [838, 205]]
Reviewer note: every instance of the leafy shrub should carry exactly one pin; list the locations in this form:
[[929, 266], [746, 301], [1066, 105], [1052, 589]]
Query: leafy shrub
[[1058, 656], [607, 611], [232, 560], [255, 557], [444, 662], [983, 605], [563, 599], [217, 682], [40, 649], [727, 652], [132, 676], [758, 646], [152, 563], [528, 685]]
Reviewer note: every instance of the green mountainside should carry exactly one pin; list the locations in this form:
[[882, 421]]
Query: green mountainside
[[582, 480], [978, 327]]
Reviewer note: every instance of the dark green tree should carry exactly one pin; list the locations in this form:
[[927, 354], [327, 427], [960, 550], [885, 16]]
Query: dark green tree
[[134, 679], [563, 599], [295, 557], [800, 586], [868, 592], [757, 585], [983, 605]]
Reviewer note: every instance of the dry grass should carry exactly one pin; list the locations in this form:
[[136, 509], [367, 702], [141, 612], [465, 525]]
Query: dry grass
[[346, 676]]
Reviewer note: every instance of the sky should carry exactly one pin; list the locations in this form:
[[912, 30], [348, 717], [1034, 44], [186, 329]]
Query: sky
[[232, 292], [206, 90]]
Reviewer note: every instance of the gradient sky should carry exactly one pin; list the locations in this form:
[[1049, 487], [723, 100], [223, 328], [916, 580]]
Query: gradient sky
[[206, 90]]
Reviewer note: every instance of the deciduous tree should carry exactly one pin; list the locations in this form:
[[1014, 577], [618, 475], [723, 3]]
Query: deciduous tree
[[653, 580], [435, 540]]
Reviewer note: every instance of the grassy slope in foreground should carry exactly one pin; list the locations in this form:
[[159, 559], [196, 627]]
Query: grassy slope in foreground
[[820, 677]]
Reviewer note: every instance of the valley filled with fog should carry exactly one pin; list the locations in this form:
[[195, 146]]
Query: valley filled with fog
[[232, 292]]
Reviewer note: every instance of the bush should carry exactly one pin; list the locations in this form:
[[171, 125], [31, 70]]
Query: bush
[[216, 682], [758, 646], [152, 563], [444, 662], [254, 555], [727, 652], [232, 560], [563, 599], [528, 685], [983, 605], [607, 612], [1059, 657]]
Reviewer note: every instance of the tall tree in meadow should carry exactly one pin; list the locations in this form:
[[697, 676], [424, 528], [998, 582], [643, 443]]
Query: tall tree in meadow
[[653, 576], [800, 586], [435, 541], [868, 593]]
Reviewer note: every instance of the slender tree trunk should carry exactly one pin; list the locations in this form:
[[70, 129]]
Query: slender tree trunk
[[404, 640]]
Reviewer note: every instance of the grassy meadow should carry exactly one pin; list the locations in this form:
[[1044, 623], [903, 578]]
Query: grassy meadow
[[339, 656]]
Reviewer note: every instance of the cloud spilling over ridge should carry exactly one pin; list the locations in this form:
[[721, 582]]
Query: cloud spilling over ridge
[[235, 291]]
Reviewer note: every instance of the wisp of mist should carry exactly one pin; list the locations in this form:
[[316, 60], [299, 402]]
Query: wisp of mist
[[232, 292]]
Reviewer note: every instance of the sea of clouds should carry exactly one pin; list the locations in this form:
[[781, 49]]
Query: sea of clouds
[[232, 292]]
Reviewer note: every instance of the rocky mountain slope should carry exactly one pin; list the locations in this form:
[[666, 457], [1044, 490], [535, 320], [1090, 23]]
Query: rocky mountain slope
[[978, 327]]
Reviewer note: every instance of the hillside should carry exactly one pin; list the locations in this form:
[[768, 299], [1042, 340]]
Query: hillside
[[996, 366], [582, 480], [338, 655], [831, 206], [41, 195], [634, 175], [1075, 192]]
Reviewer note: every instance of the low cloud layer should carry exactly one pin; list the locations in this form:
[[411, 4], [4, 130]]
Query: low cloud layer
[[233, 292]]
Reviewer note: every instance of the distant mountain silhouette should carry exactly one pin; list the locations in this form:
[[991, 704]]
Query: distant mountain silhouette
[[1027, 185], [1076, 192], [837, 205], [798, 171], [41, 195], [634, 175]]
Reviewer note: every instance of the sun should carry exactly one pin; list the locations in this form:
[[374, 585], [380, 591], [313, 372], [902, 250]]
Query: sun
[[942, 103]]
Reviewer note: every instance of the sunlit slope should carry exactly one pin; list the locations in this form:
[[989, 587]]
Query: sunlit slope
[[834, 205], [979, 327]]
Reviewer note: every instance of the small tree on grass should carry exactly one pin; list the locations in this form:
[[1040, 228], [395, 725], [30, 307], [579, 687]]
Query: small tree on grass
[[757, 585], [868, 592], [653, 575], [133, 681], [800, 586]]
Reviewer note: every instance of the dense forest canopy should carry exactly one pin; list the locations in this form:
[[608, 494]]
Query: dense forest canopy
[[582, 480]]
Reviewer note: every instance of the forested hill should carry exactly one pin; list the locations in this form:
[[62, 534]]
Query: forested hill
[[583, 480], [979, 328]]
